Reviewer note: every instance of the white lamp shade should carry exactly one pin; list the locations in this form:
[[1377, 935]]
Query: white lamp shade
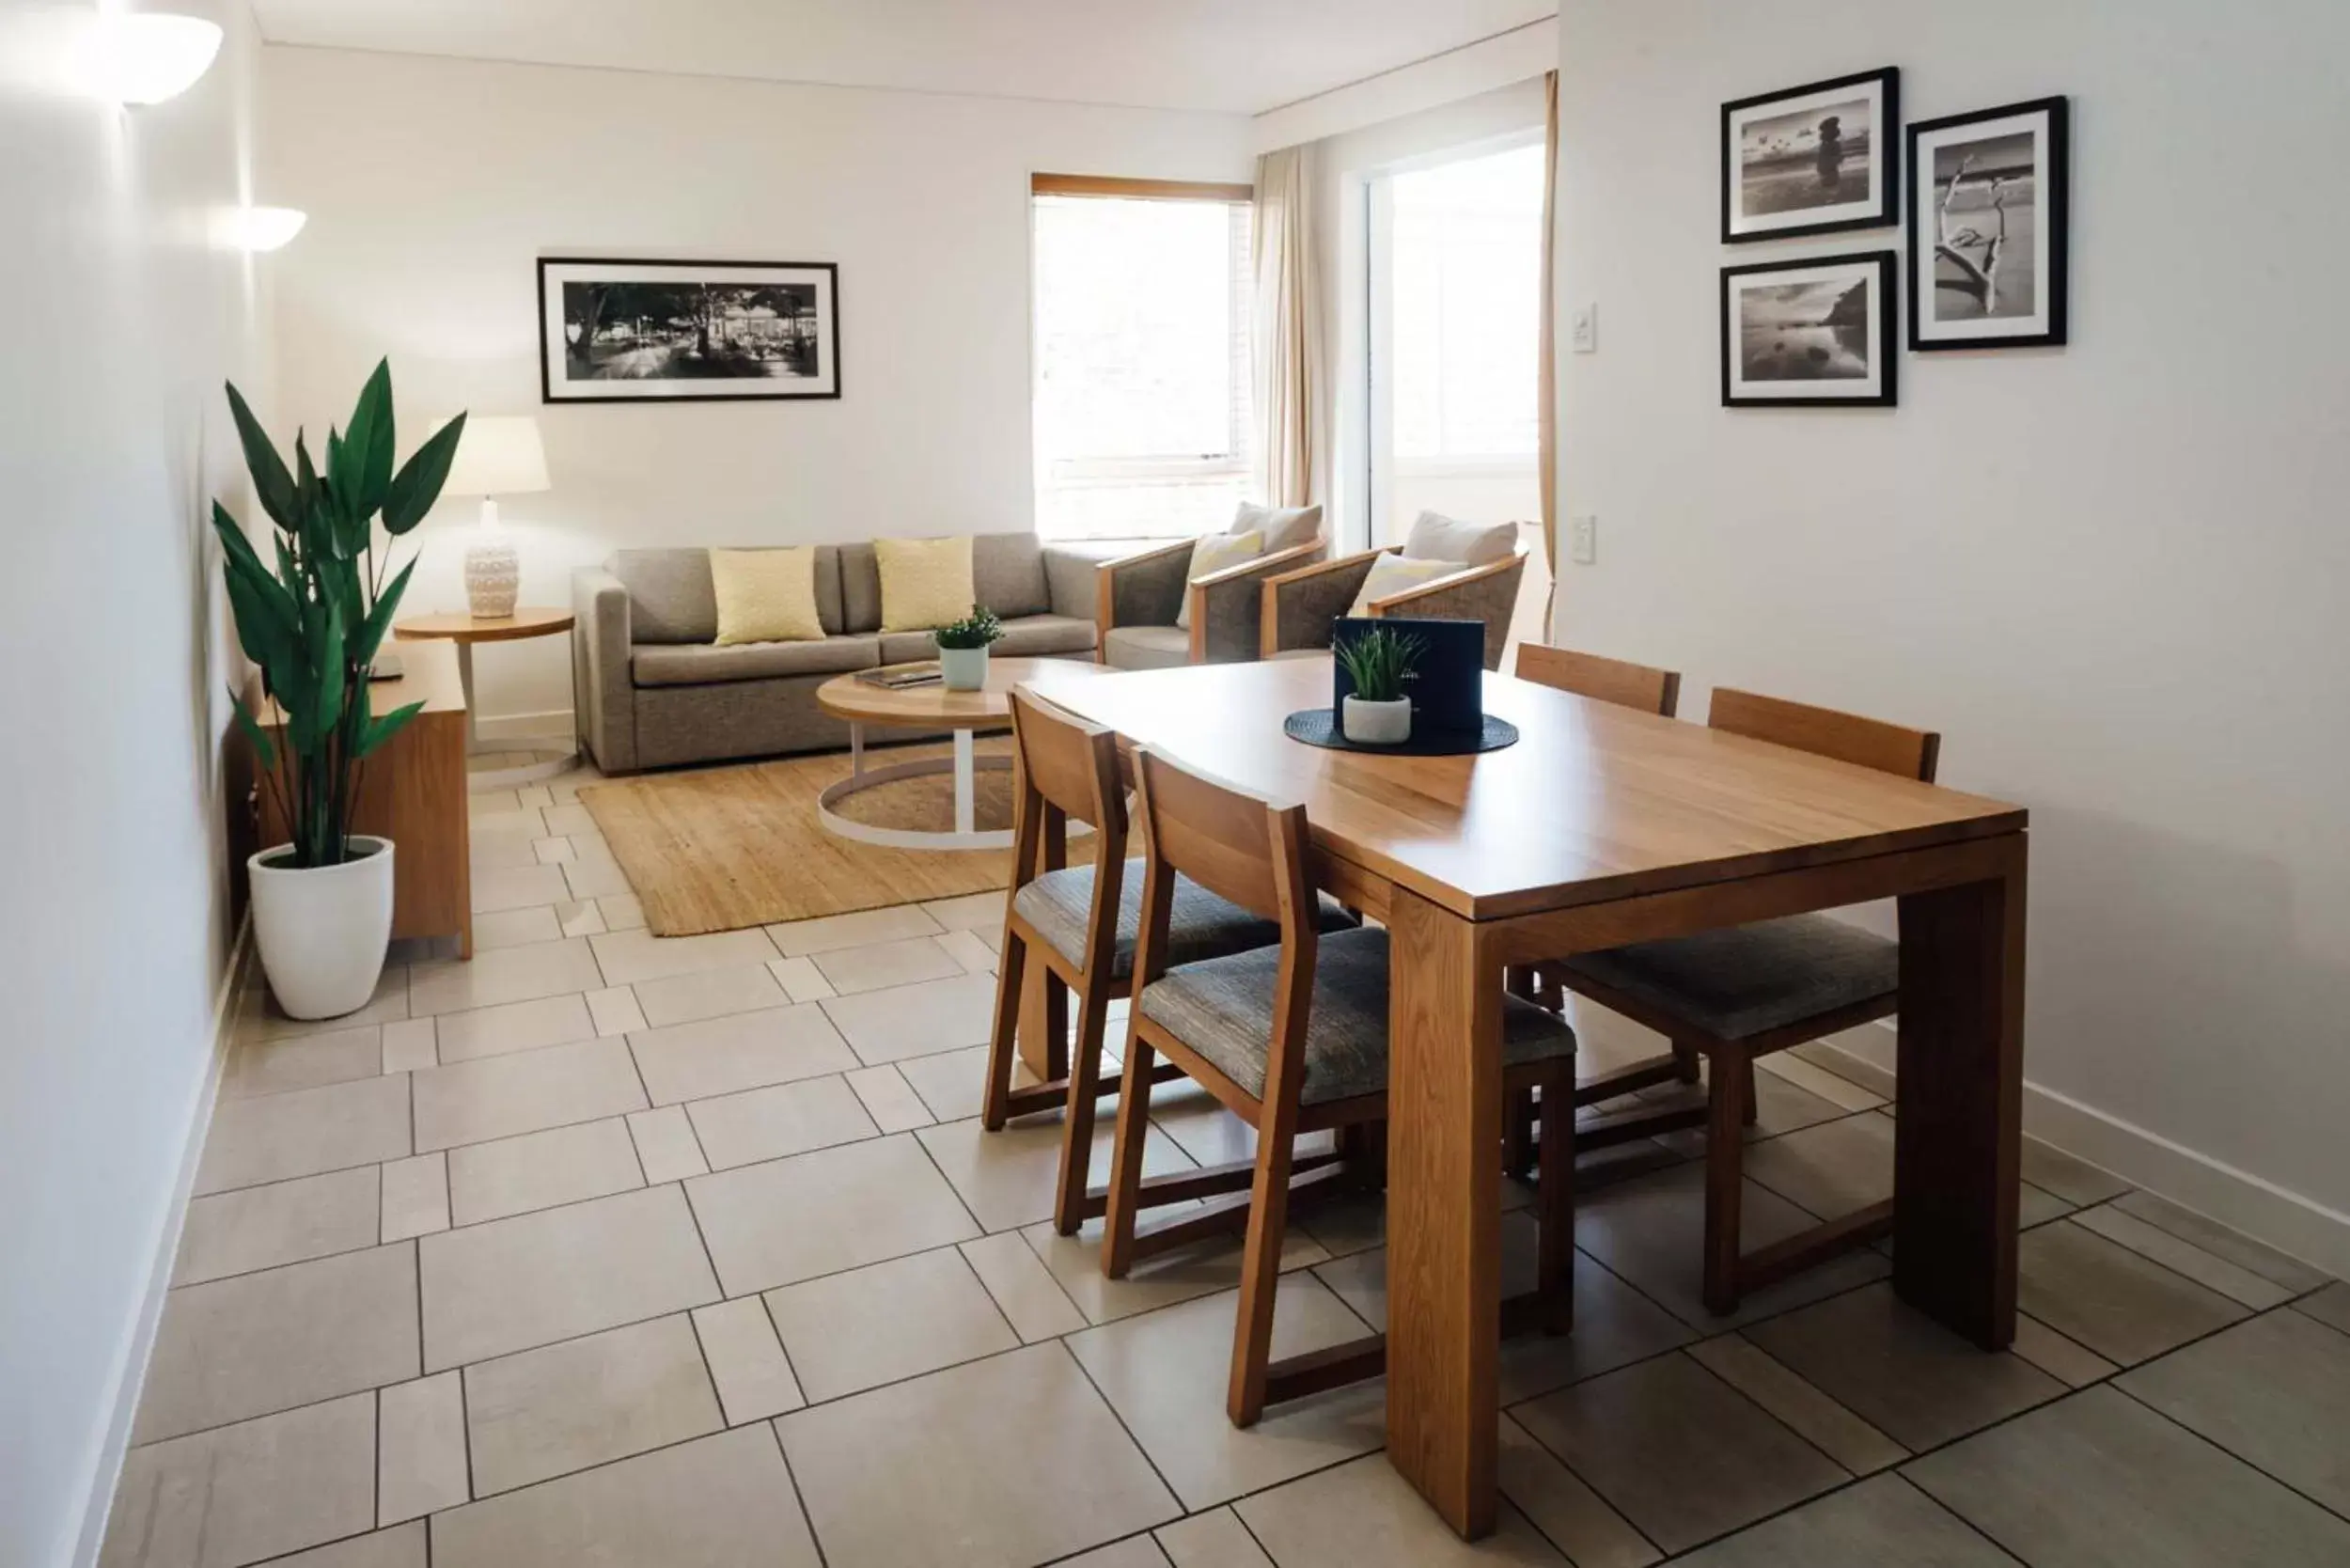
[[499, 455], [146, 57]]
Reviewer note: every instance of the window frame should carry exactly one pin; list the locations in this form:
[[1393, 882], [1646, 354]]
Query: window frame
[[1240, 464]]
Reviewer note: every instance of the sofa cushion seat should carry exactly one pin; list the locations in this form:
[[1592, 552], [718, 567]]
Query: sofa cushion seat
[[702, 664], [1026, 637], [1146, 647]]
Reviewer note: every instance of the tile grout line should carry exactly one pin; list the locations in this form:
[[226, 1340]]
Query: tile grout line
[[799, 1498], [2218, 1446]]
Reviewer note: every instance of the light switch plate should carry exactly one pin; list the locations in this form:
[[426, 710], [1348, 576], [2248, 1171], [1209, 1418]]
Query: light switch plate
[[1582, 540], [1585, 329]]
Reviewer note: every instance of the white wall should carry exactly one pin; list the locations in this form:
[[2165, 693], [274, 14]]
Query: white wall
[[2114, 575], [113, 436], [433, 185]]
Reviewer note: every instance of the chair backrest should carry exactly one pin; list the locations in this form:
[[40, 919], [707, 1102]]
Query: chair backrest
[[1617, 681], [1063, 768], [1238, 845], [1826, 732]]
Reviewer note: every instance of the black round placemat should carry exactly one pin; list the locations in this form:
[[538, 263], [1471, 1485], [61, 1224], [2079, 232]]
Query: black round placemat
[[1320, 726]]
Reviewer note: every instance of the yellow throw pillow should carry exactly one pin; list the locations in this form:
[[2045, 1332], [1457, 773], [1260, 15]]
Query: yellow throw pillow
[[925, 583], [1394, 573], [1213, 554], [766, 595]]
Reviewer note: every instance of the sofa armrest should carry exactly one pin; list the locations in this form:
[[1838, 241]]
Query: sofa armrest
[[602, 693], [1228, 606], [1142, 590], [1488, 593], [1297, 608], [1069, 573]]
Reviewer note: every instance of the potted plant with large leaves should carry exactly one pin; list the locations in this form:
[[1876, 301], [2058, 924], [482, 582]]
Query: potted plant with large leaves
[[312, 622]]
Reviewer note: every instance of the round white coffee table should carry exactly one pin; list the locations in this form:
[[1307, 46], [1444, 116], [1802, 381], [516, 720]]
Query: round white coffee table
[[862, 703]]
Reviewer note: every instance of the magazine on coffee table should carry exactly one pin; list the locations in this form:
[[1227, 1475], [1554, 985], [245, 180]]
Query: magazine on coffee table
[[924, 673]]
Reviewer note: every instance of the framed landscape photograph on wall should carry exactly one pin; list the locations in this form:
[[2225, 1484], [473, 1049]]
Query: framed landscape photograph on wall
[[616, 331], [1812, 160], [1813, 332], [1988, 227]]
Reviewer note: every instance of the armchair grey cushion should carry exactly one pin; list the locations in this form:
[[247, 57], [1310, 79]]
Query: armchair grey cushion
[[1146, 647], [1222, 1008], [699, 664], [1284, 527], [1200, 925], [1750, 980], [1437, 537]]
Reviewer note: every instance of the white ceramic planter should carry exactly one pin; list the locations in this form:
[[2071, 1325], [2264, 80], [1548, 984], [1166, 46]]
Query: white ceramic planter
[[1376, 723], [964, 670], [324, 932]]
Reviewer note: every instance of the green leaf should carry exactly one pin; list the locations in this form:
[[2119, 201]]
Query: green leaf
[[377, 730], [369, 441], [271, 485], [418, 483], [311, 491], [264, 748], [267, 619], [379, 621], [333, 676]]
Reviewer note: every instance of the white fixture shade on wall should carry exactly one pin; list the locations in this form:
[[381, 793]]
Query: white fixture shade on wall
[[257, 229], [146, 56], [499, 455]]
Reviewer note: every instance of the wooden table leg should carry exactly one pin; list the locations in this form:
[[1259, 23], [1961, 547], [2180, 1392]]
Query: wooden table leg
[[1443, 1209], [1958, 1133]]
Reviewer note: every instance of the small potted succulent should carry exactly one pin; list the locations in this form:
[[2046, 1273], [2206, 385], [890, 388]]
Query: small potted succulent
[[1378, 661], [963, 647]]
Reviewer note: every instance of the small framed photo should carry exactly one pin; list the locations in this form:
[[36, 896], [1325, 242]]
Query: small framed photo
[[1988, 227], [1812, 160], [640, 331], [1816, 332]]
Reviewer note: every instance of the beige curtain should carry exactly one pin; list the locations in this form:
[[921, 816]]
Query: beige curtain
[[1547, 464], [1288, 328]]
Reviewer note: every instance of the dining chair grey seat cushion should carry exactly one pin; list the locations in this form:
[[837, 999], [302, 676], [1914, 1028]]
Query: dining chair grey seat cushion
[[1223, 1008], [1747, 980], [1200, 924]]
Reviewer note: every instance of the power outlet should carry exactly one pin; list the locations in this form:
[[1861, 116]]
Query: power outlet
[[1582, 540], [1585, 329]]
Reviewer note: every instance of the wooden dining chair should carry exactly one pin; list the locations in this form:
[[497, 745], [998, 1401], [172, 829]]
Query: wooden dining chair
[[1617, 681], [1082, 922], [1627, 685], [1734, 996], [1292, 1039]]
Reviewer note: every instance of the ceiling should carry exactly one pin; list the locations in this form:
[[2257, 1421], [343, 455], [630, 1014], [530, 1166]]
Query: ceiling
[[1233, 57]]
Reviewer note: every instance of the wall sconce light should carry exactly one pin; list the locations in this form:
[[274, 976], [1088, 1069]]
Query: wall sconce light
[[257, 229], [146, 56]]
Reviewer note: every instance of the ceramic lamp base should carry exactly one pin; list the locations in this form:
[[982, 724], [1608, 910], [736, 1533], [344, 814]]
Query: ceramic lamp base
[[493, 578]]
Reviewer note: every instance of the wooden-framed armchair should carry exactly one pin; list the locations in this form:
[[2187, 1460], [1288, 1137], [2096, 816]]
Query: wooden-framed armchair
[[1301, 606], [1139, 599]]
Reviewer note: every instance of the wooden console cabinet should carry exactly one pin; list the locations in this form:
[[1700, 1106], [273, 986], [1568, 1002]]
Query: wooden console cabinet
[[413, 793]]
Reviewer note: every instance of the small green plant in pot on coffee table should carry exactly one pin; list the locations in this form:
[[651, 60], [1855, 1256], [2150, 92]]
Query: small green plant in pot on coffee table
[[1379, 662], [963, 647]]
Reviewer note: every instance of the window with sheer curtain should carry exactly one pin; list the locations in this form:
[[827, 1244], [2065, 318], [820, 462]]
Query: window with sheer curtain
[[1143, 298]]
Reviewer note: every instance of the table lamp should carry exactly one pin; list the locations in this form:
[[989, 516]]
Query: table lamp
[[500, 455]]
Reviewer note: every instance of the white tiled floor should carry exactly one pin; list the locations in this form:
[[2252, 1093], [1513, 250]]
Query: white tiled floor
[[691, 1254]]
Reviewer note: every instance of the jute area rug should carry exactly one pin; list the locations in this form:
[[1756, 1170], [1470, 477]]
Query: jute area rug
[[720, 848]]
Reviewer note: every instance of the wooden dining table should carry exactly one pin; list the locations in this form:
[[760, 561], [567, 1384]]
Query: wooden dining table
[[1604, 826]]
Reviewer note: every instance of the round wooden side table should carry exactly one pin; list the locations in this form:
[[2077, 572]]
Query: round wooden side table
[[465, 630]]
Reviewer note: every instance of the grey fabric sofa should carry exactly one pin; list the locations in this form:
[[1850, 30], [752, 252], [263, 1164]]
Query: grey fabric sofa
[[652, 690]]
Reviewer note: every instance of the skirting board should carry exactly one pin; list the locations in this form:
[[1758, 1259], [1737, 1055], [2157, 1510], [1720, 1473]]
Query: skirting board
[[2287, 1221], [554, 725], [228, 1010]]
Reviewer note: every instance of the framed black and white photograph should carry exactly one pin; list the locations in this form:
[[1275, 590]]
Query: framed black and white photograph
[[632, 332], [1812, 160], [1816, 332], [1988, 227]]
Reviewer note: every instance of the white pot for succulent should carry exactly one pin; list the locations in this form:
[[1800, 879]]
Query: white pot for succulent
[[1367, 723], [324, 930], [963, 669]]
